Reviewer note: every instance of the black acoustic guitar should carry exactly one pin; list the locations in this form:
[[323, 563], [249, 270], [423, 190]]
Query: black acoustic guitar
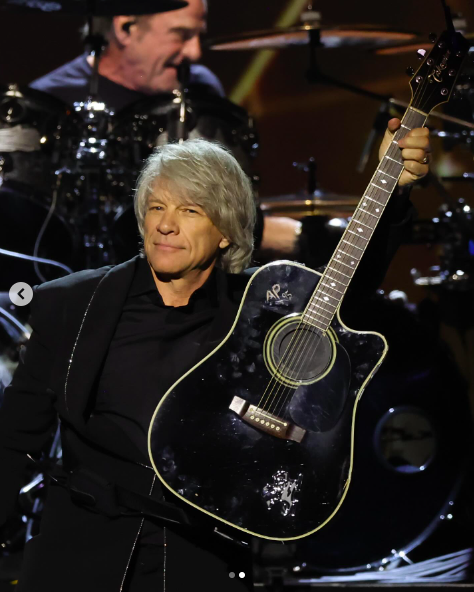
[[260, 433]]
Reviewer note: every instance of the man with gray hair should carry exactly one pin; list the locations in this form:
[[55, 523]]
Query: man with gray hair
[[106, 346]]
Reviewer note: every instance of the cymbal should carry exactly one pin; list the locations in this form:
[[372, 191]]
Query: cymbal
[[413, 46], [92, 8], [330, 37], [318, 204]]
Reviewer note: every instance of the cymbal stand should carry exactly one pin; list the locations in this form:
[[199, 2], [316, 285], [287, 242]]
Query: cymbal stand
[[96, 213], [178, 129]]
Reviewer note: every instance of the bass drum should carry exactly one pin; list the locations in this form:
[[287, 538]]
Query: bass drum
[[412, 448], [37, 136], [154, 122]]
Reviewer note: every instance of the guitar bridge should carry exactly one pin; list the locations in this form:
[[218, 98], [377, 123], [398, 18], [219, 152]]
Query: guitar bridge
[[265, 421]]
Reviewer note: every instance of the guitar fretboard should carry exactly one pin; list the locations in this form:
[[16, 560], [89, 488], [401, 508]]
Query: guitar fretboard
[[341, 268]]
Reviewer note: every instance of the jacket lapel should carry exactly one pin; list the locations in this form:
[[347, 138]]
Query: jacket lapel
[[100, 316]]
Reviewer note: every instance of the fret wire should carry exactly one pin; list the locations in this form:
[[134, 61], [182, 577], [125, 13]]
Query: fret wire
[[337, 271], [316, 318], [367, 212], [380, 177], [325, 302], [380, 196], [381, 188], [357, 234], [371, 199], [349, 266], [327, 295], [344, 241], [359, 222], [393, 160], [331, 288], [318, 307], [320, 313], [324, 327], [373, 196], [338, 282], [347, 254], [384, 173]]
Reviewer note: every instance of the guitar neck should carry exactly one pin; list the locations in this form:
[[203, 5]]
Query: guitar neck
[[341, 268]]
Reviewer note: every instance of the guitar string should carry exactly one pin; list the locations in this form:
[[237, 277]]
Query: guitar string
[[302, 350], [409, 114], [398, 135], [304, 338], [303, 361]]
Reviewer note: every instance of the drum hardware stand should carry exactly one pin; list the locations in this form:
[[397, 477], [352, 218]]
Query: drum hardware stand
[[179, 133], [310, 168], [314, 75], [95, 224]]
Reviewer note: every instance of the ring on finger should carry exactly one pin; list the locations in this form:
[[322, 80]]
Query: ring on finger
[[425, 160]]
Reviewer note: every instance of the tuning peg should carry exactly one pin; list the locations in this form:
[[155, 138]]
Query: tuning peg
[[432, 37], [420, 54], [410, 71]]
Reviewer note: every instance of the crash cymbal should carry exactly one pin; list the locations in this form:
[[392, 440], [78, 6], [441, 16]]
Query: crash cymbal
[[300, 205], [92, 7], [413, 46], [330, 37]]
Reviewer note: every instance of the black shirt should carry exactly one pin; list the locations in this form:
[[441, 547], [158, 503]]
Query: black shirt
[[70, 83], [152, 347]]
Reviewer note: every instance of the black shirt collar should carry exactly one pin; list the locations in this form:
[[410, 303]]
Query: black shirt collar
[[143, 283]]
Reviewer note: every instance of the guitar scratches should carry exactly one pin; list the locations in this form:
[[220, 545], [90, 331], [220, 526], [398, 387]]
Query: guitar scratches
[[281, 494]]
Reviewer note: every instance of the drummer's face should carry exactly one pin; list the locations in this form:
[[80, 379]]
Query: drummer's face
[[163, 41], [179, 240]]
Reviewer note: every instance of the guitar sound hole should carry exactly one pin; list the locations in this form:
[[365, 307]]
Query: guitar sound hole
[[299, 352]]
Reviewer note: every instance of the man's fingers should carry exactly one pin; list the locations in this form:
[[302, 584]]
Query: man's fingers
[[394, 124], [420, 142], [414, 154], [419, 131], [416, 168], [417, 138]]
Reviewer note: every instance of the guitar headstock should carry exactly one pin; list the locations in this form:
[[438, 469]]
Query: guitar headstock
[[433, 82]]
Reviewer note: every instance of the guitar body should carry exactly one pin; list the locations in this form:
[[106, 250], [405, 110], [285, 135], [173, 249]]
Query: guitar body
[[227, 459]]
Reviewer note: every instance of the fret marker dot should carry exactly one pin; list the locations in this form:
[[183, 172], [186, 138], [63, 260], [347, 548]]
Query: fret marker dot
[[377, 210], [352, 262], [333, 284], [326, 298], [338, 256], [365, 203], [360, 230], [383, 181]]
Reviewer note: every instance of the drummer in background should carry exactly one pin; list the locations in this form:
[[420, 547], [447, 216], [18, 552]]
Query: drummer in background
[[140, 60]]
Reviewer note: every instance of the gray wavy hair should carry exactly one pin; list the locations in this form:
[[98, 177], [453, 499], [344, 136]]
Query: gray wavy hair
[[206, 174]]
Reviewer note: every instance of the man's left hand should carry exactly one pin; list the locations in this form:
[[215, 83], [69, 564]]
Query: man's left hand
[[415, 149]]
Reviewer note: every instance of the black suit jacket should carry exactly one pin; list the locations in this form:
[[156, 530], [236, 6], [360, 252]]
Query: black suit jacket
[[73, 321]]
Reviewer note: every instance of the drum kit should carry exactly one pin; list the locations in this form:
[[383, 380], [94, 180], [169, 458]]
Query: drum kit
[[67, 174]]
